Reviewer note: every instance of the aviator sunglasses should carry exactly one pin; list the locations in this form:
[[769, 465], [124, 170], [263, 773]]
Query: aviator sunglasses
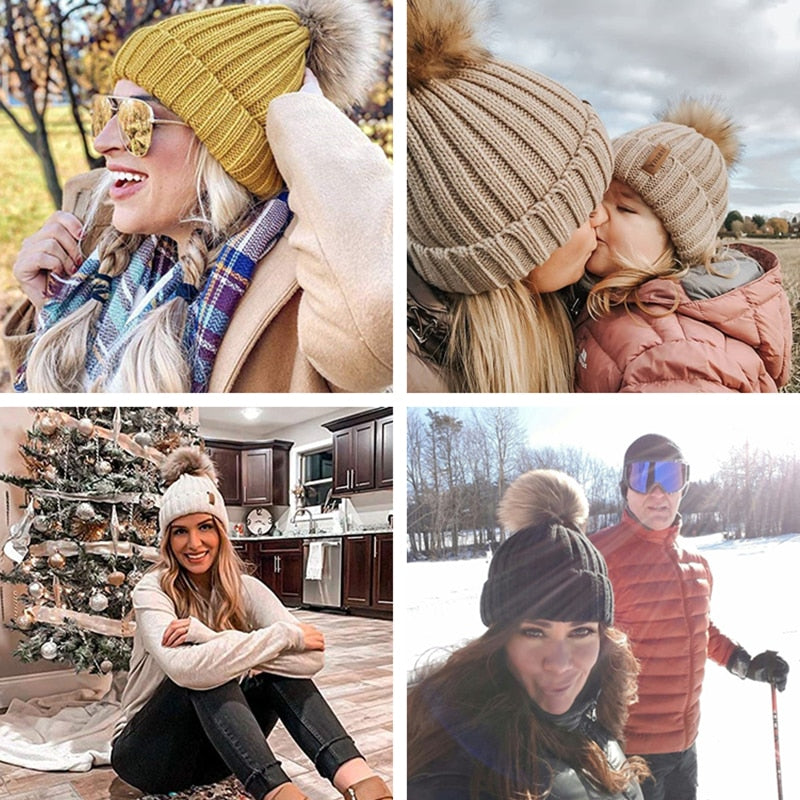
[[671, 476], [135, 118]]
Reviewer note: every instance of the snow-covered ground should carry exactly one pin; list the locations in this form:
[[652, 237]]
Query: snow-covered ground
[[756, 601]]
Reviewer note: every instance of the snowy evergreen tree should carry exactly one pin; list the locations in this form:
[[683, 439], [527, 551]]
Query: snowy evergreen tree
[[89, 530]]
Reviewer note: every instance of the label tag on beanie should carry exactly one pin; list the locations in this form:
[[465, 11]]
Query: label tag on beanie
[[211, 500], [654, 162]]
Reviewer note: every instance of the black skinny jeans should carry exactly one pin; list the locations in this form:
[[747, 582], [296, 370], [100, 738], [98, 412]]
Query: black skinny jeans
[[184, 737]]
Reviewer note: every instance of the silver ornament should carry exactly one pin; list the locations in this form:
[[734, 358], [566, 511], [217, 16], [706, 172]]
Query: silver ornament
[[148, 501], [85, 426], [35, 590], [103, 468], [85, 511], [98, 602], [143, 439], [106, 666], [48, 425], [41, 523], [49, 650]]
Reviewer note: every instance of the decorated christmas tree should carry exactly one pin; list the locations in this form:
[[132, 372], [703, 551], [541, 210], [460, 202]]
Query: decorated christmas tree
[[89, 529]]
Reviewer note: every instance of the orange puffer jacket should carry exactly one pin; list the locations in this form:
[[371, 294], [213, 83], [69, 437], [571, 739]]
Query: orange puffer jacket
[[739, 339], [662, 594]]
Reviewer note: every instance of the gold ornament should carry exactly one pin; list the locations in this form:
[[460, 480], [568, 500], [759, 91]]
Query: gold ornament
[[25, 620], [57, 561], [116, 578]]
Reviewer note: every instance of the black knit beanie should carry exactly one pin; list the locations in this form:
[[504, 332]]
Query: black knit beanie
[[547, 571], [653, 447]]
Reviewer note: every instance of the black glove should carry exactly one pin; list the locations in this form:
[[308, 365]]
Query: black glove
[[769, 667]]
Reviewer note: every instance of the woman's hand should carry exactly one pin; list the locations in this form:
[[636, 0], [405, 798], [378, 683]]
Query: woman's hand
[[54, 250], [312, 637], [176, 633]]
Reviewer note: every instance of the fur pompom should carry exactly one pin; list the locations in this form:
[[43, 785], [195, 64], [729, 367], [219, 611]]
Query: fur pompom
[[543, 495], [442, 38], [345, 52], [708, 119], [187, 461]]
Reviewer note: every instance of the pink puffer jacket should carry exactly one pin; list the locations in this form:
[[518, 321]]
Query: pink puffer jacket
[[737, 341]]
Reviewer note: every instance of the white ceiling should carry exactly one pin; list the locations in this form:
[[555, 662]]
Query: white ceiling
[[230, 422]]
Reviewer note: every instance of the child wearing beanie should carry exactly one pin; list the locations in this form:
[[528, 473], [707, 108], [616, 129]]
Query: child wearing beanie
[[217, 660], [534, 707], [243, 237], [670, 311], [505, 169]]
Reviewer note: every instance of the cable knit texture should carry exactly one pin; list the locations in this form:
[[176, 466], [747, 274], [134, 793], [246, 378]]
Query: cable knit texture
[[662, 595], [739, 341]]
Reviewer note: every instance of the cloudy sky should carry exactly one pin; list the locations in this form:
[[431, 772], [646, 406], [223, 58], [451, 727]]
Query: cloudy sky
[[630, 58]]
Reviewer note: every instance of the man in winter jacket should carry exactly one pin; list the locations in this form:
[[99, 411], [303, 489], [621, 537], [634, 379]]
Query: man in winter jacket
[[663, 593]]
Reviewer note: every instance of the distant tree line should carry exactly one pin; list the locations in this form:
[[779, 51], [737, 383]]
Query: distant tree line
[[460, 465], [757, 225]]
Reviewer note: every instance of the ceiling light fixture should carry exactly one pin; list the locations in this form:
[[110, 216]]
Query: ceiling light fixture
[[251, 413]]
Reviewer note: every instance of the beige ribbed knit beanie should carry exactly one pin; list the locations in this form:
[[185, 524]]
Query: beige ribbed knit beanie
[[679, 166], [192, 488], [503, 163]]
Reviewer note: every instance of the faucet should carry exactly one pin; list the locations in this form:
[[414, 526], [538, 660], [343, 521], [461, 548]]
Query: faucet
[[311, 525]]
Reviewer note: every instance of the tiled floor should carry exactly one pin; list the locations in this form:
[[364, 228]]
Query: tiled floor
[[356, 681]]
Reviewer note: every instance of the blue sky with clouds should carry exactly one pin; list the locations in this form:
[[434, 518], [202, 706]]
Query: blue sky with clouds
[[629, 59]]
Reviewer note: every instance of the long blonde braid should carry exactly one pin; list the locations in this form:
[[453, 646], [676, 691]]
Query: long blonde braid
[[57, 361]]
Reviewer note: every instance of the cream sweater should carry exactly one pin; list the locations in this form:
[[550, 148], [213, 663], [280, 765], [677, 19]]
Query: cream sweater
[[210, 658]]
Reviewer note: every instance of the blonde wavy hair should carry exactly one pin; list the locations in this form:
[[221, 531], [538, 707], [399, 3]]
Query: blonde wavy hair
[[154, 359], [511, 339], [224, 608]]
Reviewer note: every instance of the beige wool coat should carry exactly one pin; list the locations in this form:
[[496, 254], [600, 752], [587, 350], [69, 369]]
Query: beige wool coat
[[317, 315]]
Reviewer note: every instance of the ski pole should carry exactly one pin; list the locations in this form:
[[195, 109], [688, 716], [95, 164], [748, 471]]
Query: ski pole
[[777, 745]]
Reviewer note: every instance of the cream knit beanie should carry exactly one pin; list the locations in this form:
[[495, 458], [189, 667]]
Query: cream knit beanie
[[503, 163], [192, 488], [679, 166]]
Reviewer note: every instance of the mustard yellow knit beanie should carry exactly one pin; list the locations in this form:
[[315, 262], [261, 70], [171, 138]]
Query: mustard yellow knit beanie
[[219, 69], [679, 167], [503, 163]]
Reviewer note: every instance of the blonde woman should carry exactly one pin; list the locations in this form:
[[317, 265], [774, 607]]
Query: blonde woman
[[506, 169], [535, 706], [245, 250], [670, 310], [217, 660]]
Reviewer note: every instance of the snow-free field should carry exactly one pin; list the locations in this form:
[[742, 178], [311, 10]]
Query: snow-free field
[[756, 601]]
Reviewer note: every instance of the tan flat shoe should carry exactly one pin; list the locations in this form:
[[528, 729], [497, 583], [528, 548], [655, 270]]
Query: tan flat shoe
[[373, 788], [288, 791]]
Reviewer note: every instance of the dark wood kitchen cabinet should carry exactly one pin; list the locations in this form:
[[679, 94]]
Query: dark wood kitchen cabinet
[[228, 462], [252, 474], [281, 568], [362, 451], [368, 577]]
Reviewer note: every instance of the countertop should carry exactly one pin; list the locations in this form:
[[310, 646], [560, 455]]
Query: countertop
[[315, 535]]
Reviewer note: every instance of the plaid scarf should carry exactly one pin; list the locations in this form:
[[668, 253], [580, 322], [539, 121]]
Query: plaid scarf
[[155, 264]]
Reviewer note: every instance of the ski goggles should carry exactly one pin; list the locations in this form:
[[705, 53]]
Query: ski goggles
[[135, 118], [671, 476]]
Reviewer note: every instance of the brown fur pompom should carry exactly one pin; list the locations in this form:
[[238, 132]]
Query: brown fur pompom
[[442, 38], [543, 495], [345, 50], [187, 461], [708, 119]]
